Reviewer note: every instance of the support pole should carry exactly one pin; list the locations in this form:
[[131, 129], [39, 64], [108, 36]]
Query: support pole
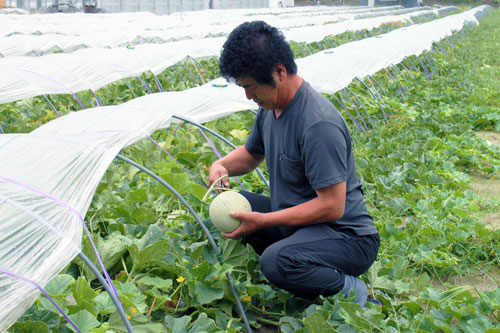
[[202, 67], [51, 105], [364, 109], [220, 137], [158, 83], [111, 294], [129, 88], [396, 83], [197, 71], [350, 115], [374, 96], [425, 68], [97, 101], [144, 84], [397, 78], [191, 74], [378, 84], [355, 108], [182, 77], [410, 74]]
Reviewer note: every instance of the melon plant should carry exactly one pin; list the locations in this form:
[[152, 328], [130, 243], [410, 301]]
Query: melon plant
[[221, 206]]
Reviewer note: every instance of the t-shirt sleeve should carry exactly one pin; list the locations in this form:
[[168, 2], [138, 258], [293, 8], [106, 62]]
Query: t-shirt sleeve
[[254, 143], [324, 154]]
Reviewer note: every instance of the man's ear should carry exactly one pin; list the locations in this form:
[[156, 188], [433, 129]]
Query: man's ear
[[279, 72]]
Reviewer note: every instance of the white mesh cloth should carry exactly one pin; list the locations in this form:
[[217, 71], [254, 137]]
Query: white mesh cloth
[[93, 68], [66, 158], [118, 30], [333, 69], [28, 44]]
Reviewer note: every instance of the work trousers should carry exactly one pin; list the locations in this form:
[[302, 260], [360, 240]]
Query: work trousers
[[312, 260]]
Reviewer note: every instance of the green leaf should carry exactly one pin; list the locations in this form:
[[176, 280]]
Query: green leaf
[[51, 318], [131, 296], [83, 320], [178, 325], [46, 304], [139, 322], [30, 327], [197, 249], [82, 292], [290, 324], [59, 285], [207, 293], [203, 324], [156, 282], [150, 254], [317, 324], [152, 235], [204, 271], [110, 251], [138, 196], [103, 304]]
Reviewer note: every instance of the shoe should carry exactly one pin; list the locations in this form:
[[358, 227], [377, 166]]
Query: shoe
[[374, 301]]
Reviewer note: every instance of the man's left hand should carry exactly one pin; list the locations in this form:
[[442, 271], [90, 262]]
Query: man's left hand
[[250, 222]]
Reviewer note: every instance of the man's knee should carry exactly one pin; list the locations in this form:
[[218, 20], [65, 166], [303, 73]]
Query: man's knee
[[271, 266]]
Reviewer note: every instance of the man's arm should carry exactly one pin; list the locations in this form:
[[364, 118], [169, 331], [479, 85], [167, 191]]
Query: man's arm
[[238, 162], [328, 205]]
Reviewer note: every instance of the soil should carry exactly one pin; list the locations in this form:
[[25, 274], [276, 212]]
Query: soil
[[485, 281], [267, 329], [488, 188]]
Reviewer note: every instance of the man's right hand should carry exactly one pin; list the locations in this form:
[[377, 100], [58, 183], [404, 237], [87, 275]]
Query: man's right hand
[[216, 171]]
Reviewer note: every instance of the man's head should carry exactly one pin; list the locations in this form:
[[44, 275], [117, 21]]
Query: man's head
[[254, 49]]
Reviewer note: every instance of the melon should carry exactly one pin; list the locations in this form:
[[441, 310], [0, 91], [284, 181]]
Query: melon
[[221, 206]]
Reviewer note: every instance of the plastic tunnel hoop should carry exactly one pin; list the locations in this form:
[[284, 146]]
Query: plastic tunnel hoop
[[202, 225], [220, 137], [110, 292], [374, 96], [51, 105]]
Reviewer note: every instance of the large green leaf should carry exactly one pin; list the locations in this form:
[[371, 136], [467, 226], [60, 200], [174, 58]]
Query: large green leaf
[[30, 327], [317, 324], [83, 320]]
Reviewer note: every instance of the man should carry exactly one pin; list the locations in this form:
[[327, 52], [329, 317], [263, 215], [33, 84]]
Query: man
[[314, 234]]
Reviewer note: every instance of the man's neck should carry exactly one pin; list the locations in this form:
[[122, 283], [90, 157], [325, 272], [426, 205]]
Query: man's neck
[[287, 91]]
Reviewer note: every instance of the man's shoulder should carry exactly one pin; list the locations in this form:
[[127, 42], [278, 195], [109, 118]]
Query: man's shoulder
[[318, 107]]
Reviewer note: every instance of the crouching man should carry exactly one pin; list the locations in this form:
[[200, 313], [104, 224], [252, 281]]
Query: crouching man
[[314, 233]]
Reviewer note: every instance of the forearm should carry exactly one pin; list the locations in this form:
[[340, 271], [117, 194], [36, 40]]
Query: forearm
[[327, 206], [310, 212], [239, 161]]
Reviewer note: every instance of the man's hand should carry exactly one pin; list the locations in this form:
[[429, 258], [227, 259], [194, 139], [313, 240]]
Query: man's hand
[[217, 171], [250, 222]]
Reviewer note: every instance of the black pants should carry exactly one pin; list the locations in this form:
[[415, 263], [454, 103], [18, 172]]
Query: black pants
[[312, 260]]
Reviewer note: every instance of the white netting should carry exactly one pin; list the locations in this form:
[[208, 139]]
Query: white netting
[[119, 31], [93, 68]]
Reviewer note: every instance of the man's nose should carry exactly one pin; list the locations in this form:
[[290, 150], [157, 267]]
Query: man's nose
[[249, 94]]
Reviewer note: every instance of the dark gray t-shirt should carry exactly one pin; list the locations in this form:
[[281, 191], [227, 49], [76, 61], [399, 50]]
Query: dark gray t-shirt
[[308, 148]]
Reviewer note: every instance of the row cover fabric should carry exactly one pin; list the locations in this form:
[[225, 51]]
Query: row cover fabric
[[28, 44], [79, 23], [67, 157], [12, 11], [333, 69], [93, 68], [130, 31]]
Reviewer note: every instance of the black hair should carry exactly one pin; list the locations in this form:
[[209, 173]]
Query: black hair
[[252, 49]]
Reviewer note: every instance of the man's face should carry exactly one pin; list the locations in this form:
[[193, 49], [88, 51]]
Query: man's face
[[266, 96]]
